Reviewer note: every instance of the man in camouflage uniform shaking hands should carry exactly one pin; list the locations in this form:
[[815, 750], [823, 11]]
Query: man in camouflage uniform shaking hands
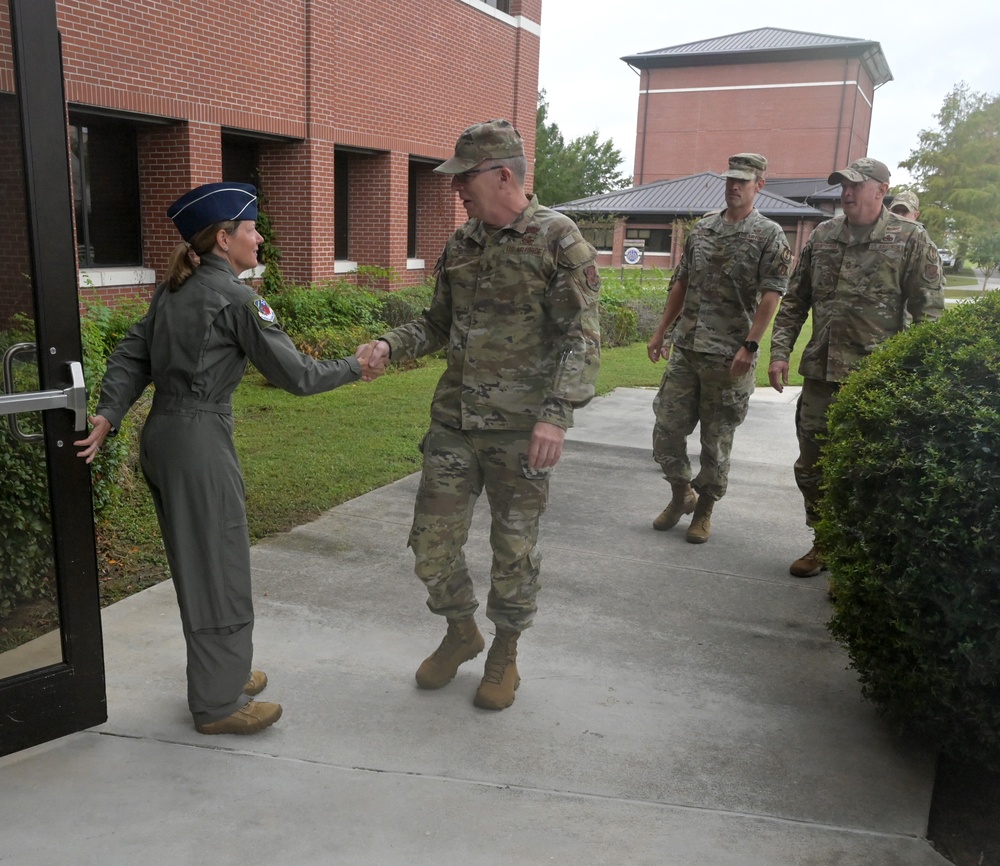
[[723, 293], [516, 306], [860, 273]]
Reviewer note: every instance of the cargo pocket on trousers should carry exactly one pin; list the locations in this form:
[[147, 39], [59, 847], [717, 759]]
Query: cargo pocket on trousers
[[735, 404]]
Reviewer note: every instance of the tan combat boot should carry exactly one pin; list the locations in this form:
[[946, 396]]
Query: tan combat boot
[[496, 691], [683, 502], [255, 685], [808, 565], [252, 717], [462, 642], [701, 521]]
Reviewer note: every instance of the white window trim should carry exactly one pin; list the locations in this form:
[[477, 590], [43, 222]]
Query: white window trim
[[343, 266], [415, 264], [100, 278], [518, 21]]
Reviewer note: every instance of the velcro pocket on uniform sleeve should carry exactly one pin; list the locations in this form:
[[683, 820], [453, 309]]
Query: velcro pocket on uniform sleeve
[[574, 252]]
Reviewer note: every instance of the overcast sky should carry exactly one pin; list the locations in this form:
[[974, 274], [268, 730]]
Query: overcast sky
[[929, 47]]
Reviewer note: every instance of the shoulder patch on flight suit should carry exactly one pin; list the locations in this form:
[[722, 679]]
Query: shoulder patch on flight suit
[[264, 315]]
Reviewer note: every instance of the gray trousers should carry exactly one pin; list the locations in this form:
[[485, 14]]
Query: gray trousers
[[190, 464]]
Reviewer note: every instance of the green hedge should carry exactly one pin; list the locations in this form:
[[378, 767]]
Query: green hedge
[[909, 527], [25, 527]]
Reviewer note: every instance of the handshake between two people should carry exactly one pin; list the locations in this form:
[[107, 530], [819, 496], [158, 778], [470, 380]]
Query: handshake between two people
[[374, 358]]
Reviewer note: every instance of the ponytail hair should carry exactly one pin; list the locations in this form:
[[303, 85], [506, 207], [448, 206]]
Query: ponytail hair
[[186, 256]]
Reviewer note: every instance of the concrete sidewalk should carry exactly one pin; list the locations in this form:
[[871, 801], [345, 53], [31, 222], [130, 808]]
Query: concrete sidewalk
[[680, 704]]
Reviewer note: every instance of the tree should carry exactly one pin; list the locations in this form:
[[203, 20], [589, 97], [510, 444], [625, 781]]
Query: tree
[[957, 168], [570, 170], [985, 252]]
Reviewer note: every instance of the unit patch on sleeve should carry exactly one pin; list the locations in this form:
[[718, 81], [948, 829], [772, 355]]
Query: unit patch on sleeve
[[263, 310]]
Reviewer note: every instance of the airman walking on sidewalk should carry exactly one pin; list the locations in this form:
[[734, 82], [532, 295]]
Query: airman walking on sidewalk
[[725, 290], [860, 274]]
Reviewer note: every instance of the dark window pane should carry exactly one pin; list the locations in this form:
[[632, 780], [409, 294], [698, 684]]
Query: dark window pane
[[239, 161], [106, 192], [411, 214], [657, 240], [341, 203]]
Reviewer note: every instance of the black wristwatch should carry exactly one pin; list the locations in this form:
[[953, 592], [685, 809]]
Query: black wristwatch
[[751, 346]]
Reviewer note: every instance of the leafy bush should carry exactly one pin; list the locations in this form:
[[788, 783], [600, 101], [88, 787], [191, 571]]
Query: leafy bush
[[909, 528], [329, 320], [25, 527], [404, 305], [630, 310]]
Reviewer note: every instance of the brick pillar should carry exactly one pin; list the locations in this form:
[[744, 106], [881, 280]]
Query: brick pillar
[[378, 195], [15, 262], [297, 184], [172, 160]]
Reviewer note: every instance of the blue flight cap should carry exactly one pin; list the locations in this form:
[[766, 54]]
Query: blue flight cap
[[213, 203]]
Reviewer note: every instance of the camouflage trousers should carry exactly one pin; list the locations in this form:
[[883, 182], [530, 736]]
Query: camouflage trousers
[[458, 465], [810, 427], [698, 389]]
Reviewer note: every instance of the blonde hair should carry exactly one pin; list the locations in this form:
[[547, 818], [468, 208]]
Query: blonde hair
[[186, 256]]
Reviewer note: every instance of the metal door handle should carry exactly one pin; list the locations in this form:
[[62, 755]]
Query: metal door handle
[[73, 398]]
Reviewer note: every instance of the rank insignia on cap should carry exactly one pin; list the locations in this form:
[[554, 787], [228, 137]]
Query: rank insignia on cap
[[263, 310]]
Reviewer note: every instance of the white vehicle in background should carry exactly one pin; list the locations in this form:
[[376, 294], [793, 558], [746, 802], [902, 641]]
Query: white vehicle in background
[[947, 259]]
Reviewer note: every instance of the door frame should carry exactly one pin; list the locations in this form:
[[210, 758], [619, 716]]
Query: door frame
[[59, 699]]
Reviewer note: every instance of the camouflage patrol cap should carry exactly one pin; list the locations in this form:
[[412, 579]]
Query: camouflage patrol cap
[[905, 200], [494, 139], [746, 166], [860, 170]]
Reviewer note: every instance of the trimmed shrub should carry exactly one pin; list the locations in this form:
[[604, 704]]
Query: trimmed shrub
[[329, 320], [909, 528], [630, 310]]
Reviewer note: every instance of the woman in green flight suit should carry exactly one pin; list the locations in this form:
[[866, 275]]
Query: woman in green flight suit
[[202, 326]]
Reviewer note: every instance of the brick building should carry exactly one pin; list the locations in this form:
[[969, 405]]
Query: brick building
[[803, 99], [337, 109]]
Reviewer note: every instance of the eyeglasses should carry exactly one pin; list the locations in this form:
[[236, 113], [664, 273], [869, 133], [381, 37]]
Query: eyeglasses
[[464, 176]]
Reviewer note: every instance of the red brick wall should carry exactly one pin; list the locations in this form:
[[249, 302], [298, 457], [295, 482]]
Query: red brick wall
[[806, 130], [378, 75], [15, 261]]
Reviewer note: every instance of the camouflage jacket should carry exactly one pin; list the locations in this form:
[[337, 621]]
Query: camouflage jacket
[[518, 313], [859, 291], [726, 266]]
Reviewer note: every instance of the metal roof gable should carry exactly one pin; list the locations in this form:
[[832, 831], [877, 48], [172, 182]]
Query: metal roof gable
[[767, 44], [694, 195]]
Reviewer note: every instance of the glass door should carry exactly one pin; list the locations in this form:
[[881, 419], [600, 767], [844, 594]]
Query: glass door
[[51, 658]]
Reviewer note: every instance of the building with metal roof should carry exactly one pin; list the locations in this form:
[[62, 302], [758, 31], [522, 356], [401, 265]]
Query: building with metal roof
[[804, 100], [657, 214]]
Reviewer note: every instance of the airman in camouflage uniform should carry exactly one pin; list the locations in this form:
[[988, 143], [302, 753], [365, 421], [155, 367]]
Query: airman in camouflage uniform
[[906, 205], [516, 306], [863, 275], [723, 294]]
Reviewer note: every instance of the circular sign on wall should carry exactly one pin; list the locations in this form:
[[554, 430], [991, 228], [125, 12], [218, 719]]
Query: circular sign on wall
[[633, 255]]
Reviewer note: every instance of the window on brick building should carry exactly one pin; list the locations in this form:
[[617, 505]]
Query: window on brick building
[[341, 205], [600, 237], [657, 240], [499, 5], [105, 170], [411, 213], [240, 158]]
